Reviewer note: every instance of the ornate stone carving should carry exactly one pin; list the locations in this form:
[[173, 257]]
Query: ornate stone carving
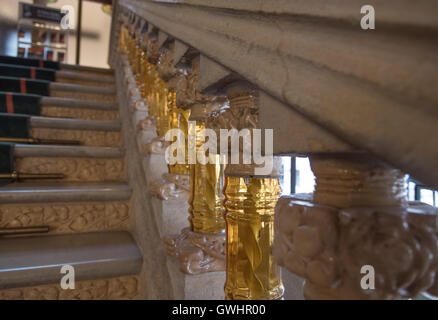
[[171, 186], [242, 113], [328, 247], [126, 287], [67, 217], [87, 137], [351, 180], [185, 86], [197, 252], [165, 65], [152, 50], [188, 93], [158, 145], [139, 104], [75, 169], [79, 113], [148, 123], [359, 216]]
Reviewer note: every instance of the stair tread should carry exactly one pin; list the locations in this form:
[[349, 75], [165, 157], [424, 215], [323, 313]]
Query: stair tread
[[71, 87], [35, 150], [34, 192], [74, 124], [78, 103], [37, 260], [76, 67], [76, 75]]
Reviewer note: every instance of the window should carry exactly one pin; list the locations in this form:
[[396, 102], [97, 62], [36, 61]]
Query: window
[[305, 180], [419, 192], [285, 180], [297, 177]]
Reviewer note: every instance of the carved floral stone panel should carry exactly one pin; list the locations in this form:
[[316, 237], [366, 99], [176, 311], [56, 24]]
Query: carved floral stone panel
[[82, 95], [75, 169], [126, 287], [79, 113], [67, 217], [87, 83], [87, 137], [329, 246]]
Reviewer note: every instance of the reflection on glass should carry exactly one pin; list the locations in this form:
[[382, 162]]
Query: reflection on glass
[[426, 196], [411, 191], [305, 180], [285, 180]]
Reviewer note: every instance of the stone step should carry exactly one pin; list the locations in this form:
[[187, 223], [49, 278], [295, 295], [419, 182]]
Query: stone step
[[85, 69], [64, 192], [73, 124], [89, 132], [32, 261], [77, 77], [66, 207], [79, 91], [77, 163], [79, 108]]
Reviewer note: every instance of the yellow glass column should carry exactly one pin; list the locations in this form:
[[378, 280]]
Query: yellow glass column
[[178, 119], [206, 183], [151, 79], [122, 38], [137, 63], [250, 199], [146, 79], [131, 49], [252, 273], [160, 95]]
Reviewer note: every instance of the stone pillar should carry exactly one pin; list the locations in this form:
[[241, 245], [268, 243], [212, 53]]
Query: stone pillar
[[200, 248], [250, 199], [175, 183], [206, 180], [359, 237]]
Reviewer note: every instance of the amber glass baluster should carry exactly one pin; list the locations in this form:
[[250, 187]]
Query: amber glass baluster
[[251, 270]]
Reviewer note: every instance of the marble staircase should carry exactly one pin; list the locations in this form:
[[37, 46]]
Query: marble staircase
[[87, 212]]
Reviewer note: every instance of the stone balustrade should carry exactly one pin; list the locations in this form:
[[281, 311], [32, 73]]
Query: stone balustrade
[[328, 90]]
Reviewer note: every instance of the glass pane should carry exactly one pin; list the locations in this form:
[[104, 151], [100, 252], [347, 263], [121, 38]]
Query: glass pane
[[304, 176], [426, 196], [436, 199], [285, 179], [411, 191]]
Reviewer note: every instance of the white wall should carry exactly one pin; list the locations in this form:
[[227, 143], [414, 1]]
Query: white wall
[[94, 51]]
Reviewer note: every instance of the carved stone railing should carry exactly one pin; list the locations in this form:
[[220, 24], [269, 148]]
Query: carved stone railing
[[314, 51], [360, 103]]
